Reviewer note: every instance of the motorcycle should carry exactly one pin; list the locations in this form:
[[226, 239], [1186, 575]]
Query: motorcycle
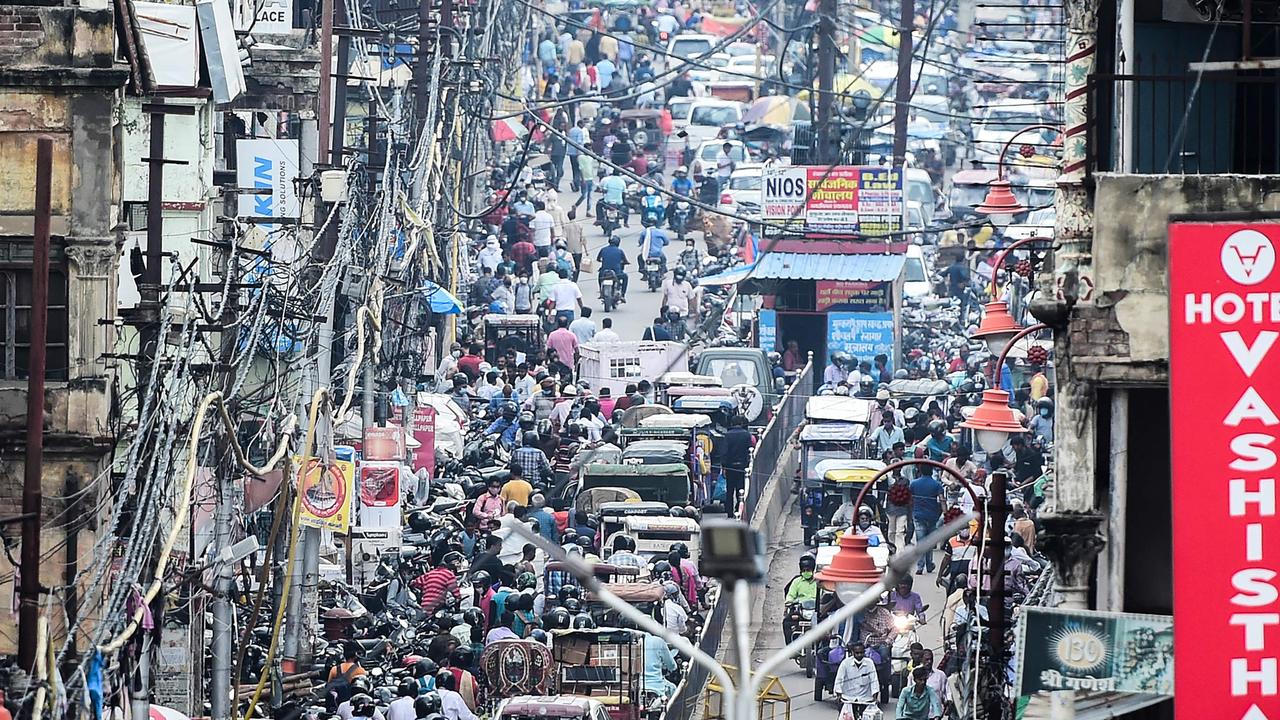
[[800, 617], [904, 628], [610, 218], [653, 272], [681, 217], [651, 216], [826, 662], [609, 290]]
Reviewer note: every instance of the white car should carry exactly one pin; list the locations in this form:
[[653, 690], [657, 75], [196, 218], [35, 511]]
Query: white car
[[704, 160], [1002, 121], [708, 69], [1039, 223], [684, 46], [915, 276], [742, 196], [705, 118]]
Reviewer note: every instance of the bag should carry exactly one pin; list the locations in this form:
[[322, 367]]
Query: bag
[[846, 712], [339, 688], [524, 298], [588, 265]]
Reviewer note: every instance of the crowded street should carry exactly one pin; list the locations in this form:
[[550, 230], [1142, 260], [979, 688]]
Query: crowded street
[[628, 360]]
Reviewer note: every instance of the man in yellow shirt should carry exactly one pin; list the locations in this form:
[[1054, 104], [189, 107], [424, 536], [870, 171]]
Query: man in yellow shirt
[[517, 489], [1039, 382]]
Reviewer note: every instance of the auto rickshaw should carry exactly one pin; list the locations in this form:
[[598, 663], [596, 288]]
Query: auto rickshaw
[[835, 477], [606, 664], [656, 452], [678, 382], [591, 500], [647, 133], [644, 595], [516, 667], [521, 334], [670, 484], [632, 416]]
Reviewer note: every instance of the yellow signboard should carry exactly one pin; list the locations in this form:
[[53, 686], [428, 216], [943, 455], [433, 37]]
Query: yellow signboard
[[324, 492]]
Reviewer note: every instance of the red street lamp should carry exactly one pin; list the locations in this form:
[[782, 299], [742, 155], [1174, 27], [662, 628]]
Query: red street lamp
[[1001, 205], [998, 327], [993, 421], [852, 570]]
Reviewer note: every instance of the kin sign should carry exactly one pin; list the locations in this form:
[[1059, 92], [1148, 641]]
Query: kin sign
[[268, 165], [1224, 307]]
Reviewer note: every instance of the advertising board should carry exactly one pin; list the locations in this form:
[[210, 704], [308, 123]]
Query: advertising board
[[841, 200], [1224, 319]]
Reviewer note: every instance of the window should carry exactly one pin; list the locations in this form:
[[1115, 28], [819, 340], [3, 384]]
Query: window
[[714, 115], [624, 368], [689, 47], [745, 181], [733, 372], [15, 324], [915, 271]]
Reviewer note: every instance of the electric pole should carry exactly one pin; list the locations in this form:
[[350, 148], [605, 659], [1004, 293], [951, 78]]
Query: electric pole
[[32, 495], [828, 148], [902, 94]]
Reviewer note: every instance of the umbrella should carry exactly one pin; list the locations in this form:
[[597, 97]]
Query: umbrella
[[160, 712], [442, 301], [777, 110], [508, 129]]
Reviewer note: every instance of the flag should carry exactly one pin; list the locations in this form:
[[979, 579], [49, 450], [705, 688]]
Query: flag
[[508, 129], [750, 245]]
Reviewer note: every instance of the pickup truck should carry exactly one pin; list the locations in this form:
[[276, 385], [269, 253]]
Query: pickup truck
[[739, 366]]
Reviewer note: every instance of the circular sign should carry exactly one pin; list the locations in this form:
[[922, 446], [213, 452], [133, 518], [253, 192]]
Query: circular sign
[[1248, 257], [323, 489]]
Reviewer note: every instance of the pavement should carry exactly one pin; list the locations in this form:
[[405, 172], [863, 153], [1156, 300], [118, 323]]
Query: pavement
[[785, 554]]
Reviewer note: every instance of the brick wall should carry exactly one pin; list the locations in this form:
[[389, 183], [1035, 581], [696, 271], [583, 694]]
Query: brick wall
[[1095, 332], [20, 31]]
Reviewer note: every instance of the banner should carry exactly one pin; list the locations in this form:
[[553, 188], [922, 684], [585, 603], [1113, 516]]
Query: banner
[[852, 294], [325, 491], [843, 200], [423, 428], [862, 335], [767, 330], [268, 165], [1224, 318], [1099, 651], [383, 443], [379, 483]]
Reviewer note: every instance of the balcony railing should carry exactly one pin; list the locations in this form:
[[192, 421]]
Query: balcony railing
[[1207, 124]]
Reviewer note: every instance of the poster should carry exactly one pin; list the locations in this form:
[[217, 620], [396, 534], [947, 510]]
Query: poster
[[1094, 651], [268, 165], [861, 335], [841, 200], [767, 330], [379, 483], [1224, 319], [383, 443], [850, 295], [424, 431], [325, 490], [264, 17]]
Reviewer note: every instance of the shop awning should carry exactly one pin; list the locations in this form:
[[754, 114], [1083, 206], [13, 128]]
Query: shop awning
[[861, 267]]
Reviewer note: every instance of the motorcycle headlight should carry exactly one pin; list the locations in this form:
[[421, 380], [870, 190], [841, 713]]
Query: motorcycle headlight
[[902, 623]]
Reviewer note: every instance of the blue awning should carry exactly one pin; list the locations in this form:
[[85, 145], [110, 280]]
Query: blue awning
[[814, 266], [441, 301]]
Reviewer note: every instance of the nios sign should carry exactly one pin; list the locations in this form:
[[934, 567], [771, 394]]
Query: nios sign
[[1224, 307]]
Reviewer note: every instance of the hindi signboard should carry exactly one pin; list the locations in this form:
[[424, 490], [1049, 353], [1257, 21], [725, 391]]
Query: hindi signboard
[[1062, 649], [841, 200], [423, 428], [862, 335], [1224, 319], [850, 295]]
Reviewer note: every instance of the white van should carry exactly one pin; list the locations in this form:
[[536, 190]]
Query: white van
[[684, 46]]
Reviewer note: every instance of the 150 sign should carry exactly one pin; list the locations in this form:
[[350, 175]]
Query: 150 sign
[[1224, 305]]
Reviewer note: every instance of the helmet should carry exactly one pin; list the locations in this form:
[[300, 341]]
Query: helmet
[[677, 512], [678, 273], [480, 578], [661, 567], [407, 688], [462, 657], [509, 411], [569, 537], [530, 439], [680, 548], [900, 374], [452, 559], [864, 510], [473, 616], [538, 635], [775, 357], [1045, 402], [585, 542], [583, 622], [426, 666], [445, 680], [361, 705], [568, 591], [866, 382], [807, 562], [432, 702], [623, 543], [420, 521], [614, 240], [461, 378], [558, 619], [937, 426], [670, 588], [682, 170], [572, 605], [526, 581], [361, 685]]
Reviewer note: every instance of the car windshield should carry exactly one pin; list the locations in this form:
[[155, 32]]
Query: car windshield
[[680, 110], [967, 196], [921, 192], [731, 372], [689, 47], [749, 181], [709, 152], [714, 115], [914, 271]]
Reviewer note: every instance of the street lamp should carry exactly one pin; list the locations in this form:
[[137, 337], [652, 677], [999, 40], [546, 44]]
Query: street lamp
[[1000, 205], [852, 570], [993, 421], [998, 327]]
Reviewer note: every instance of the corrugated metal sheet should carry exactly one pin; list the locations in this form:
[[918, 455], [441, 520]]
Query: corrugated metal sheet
[[822, 266]]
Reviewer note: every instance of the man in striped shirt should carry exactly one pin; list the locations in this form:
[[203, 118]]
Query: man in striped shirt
[[439, 582]]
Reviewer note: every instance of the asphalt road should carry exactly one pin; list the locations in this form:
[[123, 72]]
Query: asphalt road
[[788, 549]]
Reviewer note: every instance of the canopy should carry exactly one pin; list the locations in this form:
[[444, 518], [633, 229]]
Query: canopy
[[848, 470], [705, 403], [863, 267], [686, 421], [778, 110], [832, 432], [441, 301], [841, 408]]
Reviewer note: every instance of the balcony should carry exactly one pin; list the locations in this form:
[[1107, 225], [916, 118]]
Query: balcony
[[1185, 124]]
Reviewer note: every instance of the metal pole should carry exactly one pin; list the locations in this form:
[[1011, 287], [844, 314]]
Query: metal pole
[[902, 93], [32, 495], [220, 673], [827, 150], [999, 512], [324, 104]]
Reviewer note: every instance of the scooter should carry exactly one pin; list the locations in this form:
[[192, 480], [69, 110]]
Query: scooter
[[904, 627], [610, 218], [681, 216], [800, 616]]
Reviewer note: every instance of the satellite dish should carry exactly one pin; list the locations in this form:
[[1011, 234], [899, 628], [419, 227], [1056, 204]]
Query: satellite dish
[[750, 402]]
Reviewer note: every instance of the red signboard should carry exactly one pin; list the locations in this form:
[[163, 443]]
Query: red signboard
[[424, 431], [1224, 312]]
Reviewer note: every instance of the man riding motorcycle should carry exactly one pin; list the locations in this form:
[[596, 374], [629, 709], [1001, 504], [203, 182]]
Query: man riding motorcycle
[[653, 241], [681, 184], [802, 587], [613, 259], [652, 211]]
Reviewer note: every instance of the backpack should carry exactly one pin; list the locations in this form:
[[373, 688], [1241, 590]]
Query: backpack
[[564, 263], [339, 688]]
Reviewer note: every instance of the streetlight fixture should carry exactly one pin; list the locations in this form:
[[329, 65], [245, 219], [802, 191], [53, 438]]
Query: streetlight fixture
[[993, 421], [1000, 205], [998, 327], [852, 570]]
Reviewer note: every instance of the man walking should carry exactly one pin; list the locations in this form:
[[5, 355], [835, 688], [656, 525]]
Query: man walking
[[926, 509], [736, 457]]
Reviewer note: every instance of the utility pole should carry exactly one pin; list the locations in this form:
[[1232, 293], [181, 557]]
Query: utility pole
[[32, 496], [828, 151], [902, 94], [998, 512]]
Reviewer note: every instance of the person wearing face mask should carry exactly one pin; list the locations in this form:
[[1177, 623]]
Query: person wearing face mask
[[866, 528], [490, 505], [1042, 424], [857, 683], [802, 587], [448, 366]]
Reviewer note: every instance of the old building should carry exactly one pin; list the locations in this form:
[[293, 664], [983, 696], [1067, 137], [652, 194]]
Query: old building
[[60, 77]]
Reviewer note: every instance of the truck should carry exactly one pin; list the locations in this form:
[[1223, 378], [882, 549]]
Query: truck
[[616, 365], [747, 372]]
